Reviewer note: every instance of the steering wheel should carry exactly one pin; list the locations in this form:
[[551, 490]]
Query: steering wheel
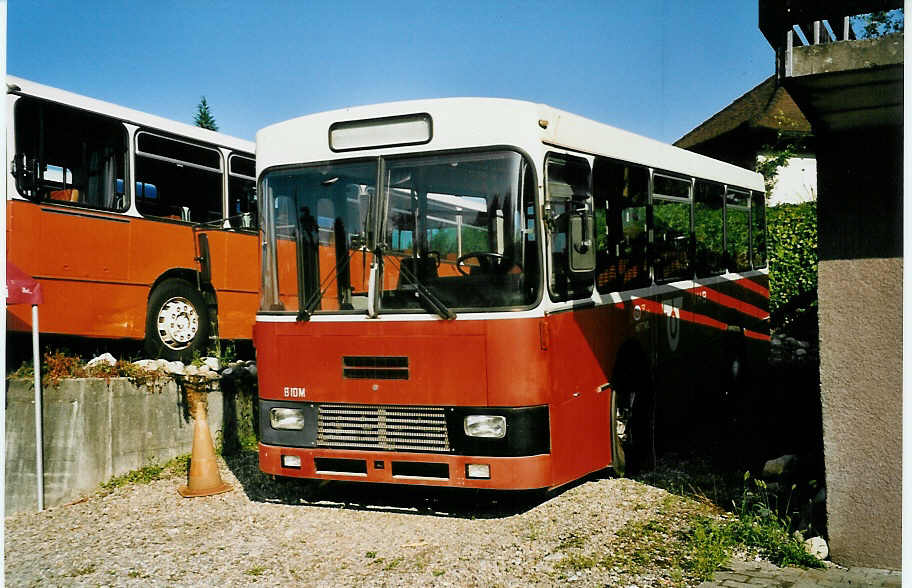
[[487, 261]]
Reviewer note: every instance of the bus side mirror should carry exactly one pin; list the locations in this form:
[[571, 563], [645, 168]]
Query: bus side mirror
[[582, 246], [25, 171]]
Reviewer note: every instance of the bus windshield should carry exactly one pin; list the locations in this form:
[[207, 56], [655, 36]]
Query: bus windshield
[[443, 233]]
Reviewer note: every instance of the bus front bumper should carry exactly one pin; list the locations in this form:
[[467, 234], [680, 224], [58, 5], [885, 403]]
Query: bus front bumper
[[515, 473]]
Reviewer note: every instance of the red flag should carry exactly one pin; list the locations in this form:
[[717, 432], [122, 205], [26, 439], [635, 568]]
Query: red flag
[[23, 288]]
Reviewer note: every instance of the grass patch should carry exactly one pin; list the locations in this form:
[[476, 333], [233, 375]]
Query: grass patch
[[83, 571], [572, 541], [144, 475], [577, 562], [255, 571], [687, 540], [761, 526]]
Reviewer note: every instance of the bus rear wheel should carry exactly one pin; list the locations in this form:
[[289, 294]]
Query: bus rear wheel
[[177, 324]]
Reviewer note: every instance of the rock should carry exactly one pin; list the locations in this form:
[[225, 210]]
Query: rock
[[191, 370], [252, 370], [820, 497], [776, 468], [556, 556], [228, 372], [203, 369], [103, 358], [213, 363], [149, 365], [210, 375], [817, 547], [800, 352], [175, 367]]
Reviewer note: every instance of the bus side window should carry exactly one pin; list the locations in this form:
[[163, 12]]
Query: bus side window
[[737, 230], [81, 156], [758, 229], [620, 192], [709, 259], [671, 228], [186, 177], [242, 198]]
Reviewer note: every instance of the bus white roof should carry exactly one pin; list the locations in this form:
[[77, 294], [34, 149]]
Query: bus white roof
[[482, 122], [16, 85]]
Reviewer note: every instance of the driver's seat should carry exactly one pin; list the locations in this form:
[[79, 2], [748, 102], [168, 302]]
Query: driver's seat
[[425, 268]]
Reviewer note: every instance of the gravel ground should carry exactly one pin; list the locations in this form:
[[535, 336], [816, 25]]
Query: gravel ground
[[269, 532]]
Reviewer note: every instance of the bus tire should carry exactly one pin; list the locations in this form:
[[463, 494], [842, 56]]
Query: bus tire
[[618, 436], [635, 395], [177, 323]]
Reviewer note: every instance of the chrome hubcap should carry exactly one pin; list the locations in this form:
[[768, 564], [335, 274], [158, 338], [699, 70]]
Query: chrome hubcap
[[620, 424], [178, 323]]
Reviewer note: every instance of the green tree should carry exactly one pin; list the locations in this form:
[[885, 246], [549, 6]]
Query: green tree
[[879, 23], [203, 117]]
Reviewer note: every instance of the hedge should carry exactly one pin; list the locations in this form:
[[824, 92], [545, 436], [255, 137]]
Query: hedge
[[792, 242]]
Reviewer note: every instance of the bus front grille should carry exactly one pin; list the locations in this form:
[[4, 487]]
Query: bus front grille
[[382, 427]]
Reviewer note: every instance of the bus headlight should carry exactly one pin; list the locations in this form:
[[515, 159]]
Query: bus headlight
[[485, 425], [287, 418]]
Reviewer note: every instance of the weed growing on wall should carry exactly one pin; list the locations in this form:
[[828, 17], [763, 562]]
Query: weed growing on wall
[[176, 467], [60, 365]]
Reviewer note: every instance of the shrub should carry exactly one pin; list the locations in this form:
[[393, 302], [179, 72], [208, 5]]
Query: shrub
[[792, 238]]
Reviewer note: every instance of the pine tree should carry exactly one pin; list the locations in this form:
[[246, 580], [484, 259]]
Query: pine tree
[[203, 117]]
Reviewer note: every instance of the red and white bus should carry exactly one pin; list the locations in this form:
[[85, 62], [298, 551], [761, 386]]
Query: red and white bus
[[493, 293], [136, 226]]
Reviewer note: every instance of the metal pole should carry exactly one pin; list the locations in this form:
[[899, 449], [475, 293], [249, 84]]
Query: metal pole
[[39, 436], [5, 180]]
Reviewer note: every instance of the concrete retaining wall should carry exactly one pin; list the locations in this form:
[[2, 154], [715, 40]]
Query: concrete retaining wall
[[93, 430]]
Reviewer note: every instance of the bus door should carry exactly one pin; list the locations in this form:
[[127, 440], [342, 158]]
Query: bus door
[[228, 251], [242, 248], [576, 336]]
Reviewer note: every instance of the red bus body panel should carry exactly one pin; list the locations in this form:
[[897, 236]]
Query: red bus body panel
[[563, 360], [97, 269]]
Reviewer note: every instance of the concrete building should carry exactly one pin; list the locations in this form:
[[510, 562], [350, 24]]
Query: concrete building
[[851, 92], [751, 128]]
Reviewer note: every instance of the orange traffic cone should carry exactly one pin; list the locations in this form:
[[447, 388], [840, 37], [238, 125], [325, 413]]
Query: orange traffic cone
[[204, 478]]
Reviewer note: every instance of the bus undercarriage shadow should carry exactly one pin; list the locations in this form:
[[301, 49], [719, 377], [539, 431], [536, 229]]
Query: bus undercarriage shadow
[[433, 501]]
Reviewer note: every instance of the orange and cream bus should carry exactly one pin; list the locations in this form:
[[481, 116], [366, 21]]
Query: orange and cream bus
[[136, 226], [496, 294]]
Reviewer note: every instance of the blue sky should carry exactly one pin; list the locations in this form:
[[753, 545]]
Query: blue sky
[[654, 67]]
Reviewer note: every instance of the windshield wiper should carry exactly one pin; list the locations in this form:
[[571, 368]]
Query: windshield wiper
[[424, 292], [307, 311]]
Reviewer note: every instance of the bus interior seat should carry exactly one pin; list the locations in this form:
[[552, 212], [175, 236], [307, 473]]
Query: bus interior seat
[[68, 195]]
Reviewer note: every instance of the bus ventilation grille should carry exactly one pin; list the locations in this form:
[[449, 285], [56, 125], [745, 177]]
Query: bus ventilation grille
[[367, 367], [382, 427]]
